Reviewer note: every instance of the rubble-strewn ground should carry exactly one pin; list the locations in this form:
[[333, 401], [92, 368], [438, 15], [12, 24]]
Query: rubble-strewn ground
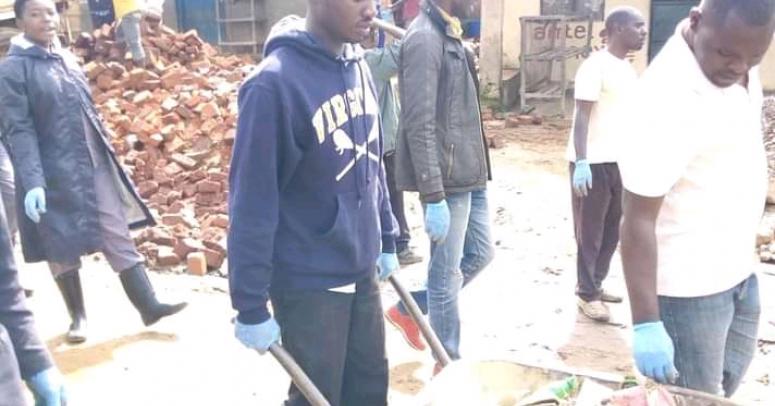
[[521, 308]]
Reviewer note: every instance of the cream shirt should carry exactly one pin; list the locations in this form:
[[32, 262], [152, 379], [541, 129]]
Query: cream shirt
[[606, 80], [699, 146]]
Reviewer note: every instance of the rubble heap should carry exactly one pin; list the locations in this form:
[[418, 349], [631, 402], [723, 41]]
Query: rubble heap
[[172, 124], [765, 239]]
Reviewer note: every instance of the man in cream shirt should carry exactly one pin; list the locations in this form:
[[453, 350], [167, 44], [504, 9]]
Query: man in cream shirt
[[695, 175], [602, 82]]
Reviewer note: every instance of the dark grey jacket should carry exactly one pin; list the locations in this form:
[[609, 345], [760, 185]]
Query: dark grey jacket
[[43, 98], [441, 147], [31, 353]]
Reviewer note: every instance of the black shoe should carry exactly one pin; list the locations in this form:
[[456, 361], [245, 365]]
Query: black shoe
[[72, 292], [407, 256], [140, 292], [28, 293]]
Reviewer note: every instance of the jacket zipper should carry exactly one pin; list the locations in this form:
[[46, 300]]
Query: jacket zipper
[[451, 160]]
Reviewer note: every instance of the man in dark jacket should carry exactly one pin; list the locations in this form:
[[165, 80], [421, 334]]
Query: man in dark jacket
[[310, 214], [77, 198], [23, 356], [442, 155]]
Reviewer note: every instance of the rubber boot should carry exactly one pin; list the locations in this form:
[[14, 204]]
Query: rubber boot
[[140, 292], [70, 285]]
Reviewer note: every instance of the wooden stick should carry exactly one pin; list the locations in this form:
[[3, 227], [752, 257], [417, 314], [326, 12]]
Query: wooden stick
[[300, 379]]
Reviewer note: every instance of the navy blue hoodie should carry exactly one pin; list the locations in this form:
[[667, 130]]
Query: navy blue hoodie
[[308, 203]]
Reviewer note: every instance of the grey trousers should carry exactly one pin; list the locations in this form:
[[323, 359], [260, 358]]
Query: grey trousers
[[8, 190], [11, 389], [117, 244], [596, 218], [129, 32]]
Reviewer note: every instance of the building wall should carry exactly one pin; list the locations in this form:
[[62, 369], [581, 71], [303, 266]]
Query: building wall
[[501, 40]]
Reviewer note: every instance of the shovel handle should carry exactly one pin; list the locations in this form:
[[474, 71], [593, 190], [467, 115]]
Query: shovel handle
[[299, 378], [433, 340], [394, 30]]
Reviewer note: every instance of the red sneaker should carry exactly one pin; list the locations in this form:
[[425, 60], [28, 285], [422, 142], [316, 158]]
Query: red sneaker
[[407, 327], [437, 369]]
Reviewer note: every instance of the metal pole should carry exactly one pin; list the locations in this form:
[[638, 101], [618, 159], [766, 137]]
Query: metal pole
[[438, 350], [300, 379]]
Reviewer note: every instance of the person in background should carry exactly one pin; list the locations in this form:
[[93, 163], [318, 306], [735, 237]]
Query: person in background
[[76, 197], [129, 14], [23, 355], [602, 83], [311, 225], [442, 154], [101, 13], [694, 170], [382, 57]]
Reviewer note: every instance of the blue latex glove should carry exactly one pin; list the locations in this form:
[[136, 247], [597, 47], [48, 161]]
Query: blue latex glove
[[258, 336], [437, 220], [48, 388], [582, 178], [654, 352], [35, 203], [387, 264]]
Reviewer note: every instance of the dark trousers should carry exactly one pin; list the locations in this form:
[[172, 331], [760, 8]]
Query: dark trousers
[[397, 203], [596, 219], [11, 390], [338, 339]]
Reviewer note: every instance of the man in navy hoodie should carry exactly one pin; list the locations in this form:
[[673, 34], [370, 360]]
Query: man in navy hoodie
[[311, 225]]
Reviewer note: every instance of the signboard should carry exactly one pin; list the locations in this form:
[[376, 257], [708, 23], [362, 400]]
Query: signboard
[[581, 8]]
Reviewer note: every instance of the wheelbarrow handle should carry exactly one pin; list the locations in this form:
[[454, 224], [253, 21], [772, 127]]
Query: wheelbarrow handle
[[433, 340], [299, 378]]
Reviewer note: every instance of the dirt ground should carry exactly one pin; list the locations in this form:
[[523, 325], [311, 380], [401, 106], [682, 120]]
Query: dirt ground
[[522, 308]]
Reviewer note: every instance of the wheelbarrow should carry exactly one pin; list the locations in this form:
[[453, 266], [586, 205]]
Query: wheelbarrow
[[485, 383]]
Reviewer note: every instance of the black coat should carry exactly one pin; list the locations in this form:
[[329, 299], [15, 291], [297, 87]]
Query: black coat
[[31, 352], [43, 98]]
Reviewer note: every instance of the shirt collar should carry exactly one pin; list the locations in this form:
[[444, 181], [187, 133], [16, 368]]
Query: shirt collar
[[451, 24]]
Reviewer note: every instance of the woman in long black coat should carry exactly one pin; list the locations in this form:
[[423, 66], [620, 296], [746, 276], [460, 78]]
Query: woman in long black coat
[[76, 197]]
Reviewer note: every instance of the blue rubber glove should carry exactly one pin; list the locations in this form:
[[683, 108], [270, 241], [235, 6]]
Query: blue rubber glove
[[48, 388], [582, 178], [654, 352], [35, 203], [437, 220], [258, 336], [387, 263]]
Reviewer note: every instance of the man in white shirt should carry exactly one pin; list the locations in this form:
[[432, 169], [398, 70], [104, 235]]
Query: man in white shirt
[[695, 176], [602, 81]]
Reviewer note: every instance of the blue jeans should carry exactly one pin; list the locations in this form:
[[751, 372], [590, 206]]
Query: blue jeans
[[454, 263], [714, 336]]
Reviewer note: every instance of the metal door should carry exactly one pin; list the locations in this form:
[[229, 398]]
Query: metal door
[[665, 16], [198, 15]]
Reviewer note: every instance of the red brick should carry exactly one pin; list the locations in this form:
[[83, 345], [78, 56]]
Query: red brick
[[210, 110], [172, 169], [167, 257], [184, 161], [220, 221], [159, 236], [207, 186], [146, 189], [214, 258], [196, 263], [186, 246]]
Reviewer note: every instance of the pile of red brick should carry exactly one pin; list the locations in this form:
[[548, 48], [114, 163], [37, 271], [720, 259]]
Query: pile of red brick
[[769, 133], [172, 124], [765, 240]]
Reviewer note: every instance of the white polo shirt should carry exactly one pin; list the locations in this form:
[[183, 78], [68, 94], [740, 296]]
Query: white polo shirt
[[606, 80], [701, 147]]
